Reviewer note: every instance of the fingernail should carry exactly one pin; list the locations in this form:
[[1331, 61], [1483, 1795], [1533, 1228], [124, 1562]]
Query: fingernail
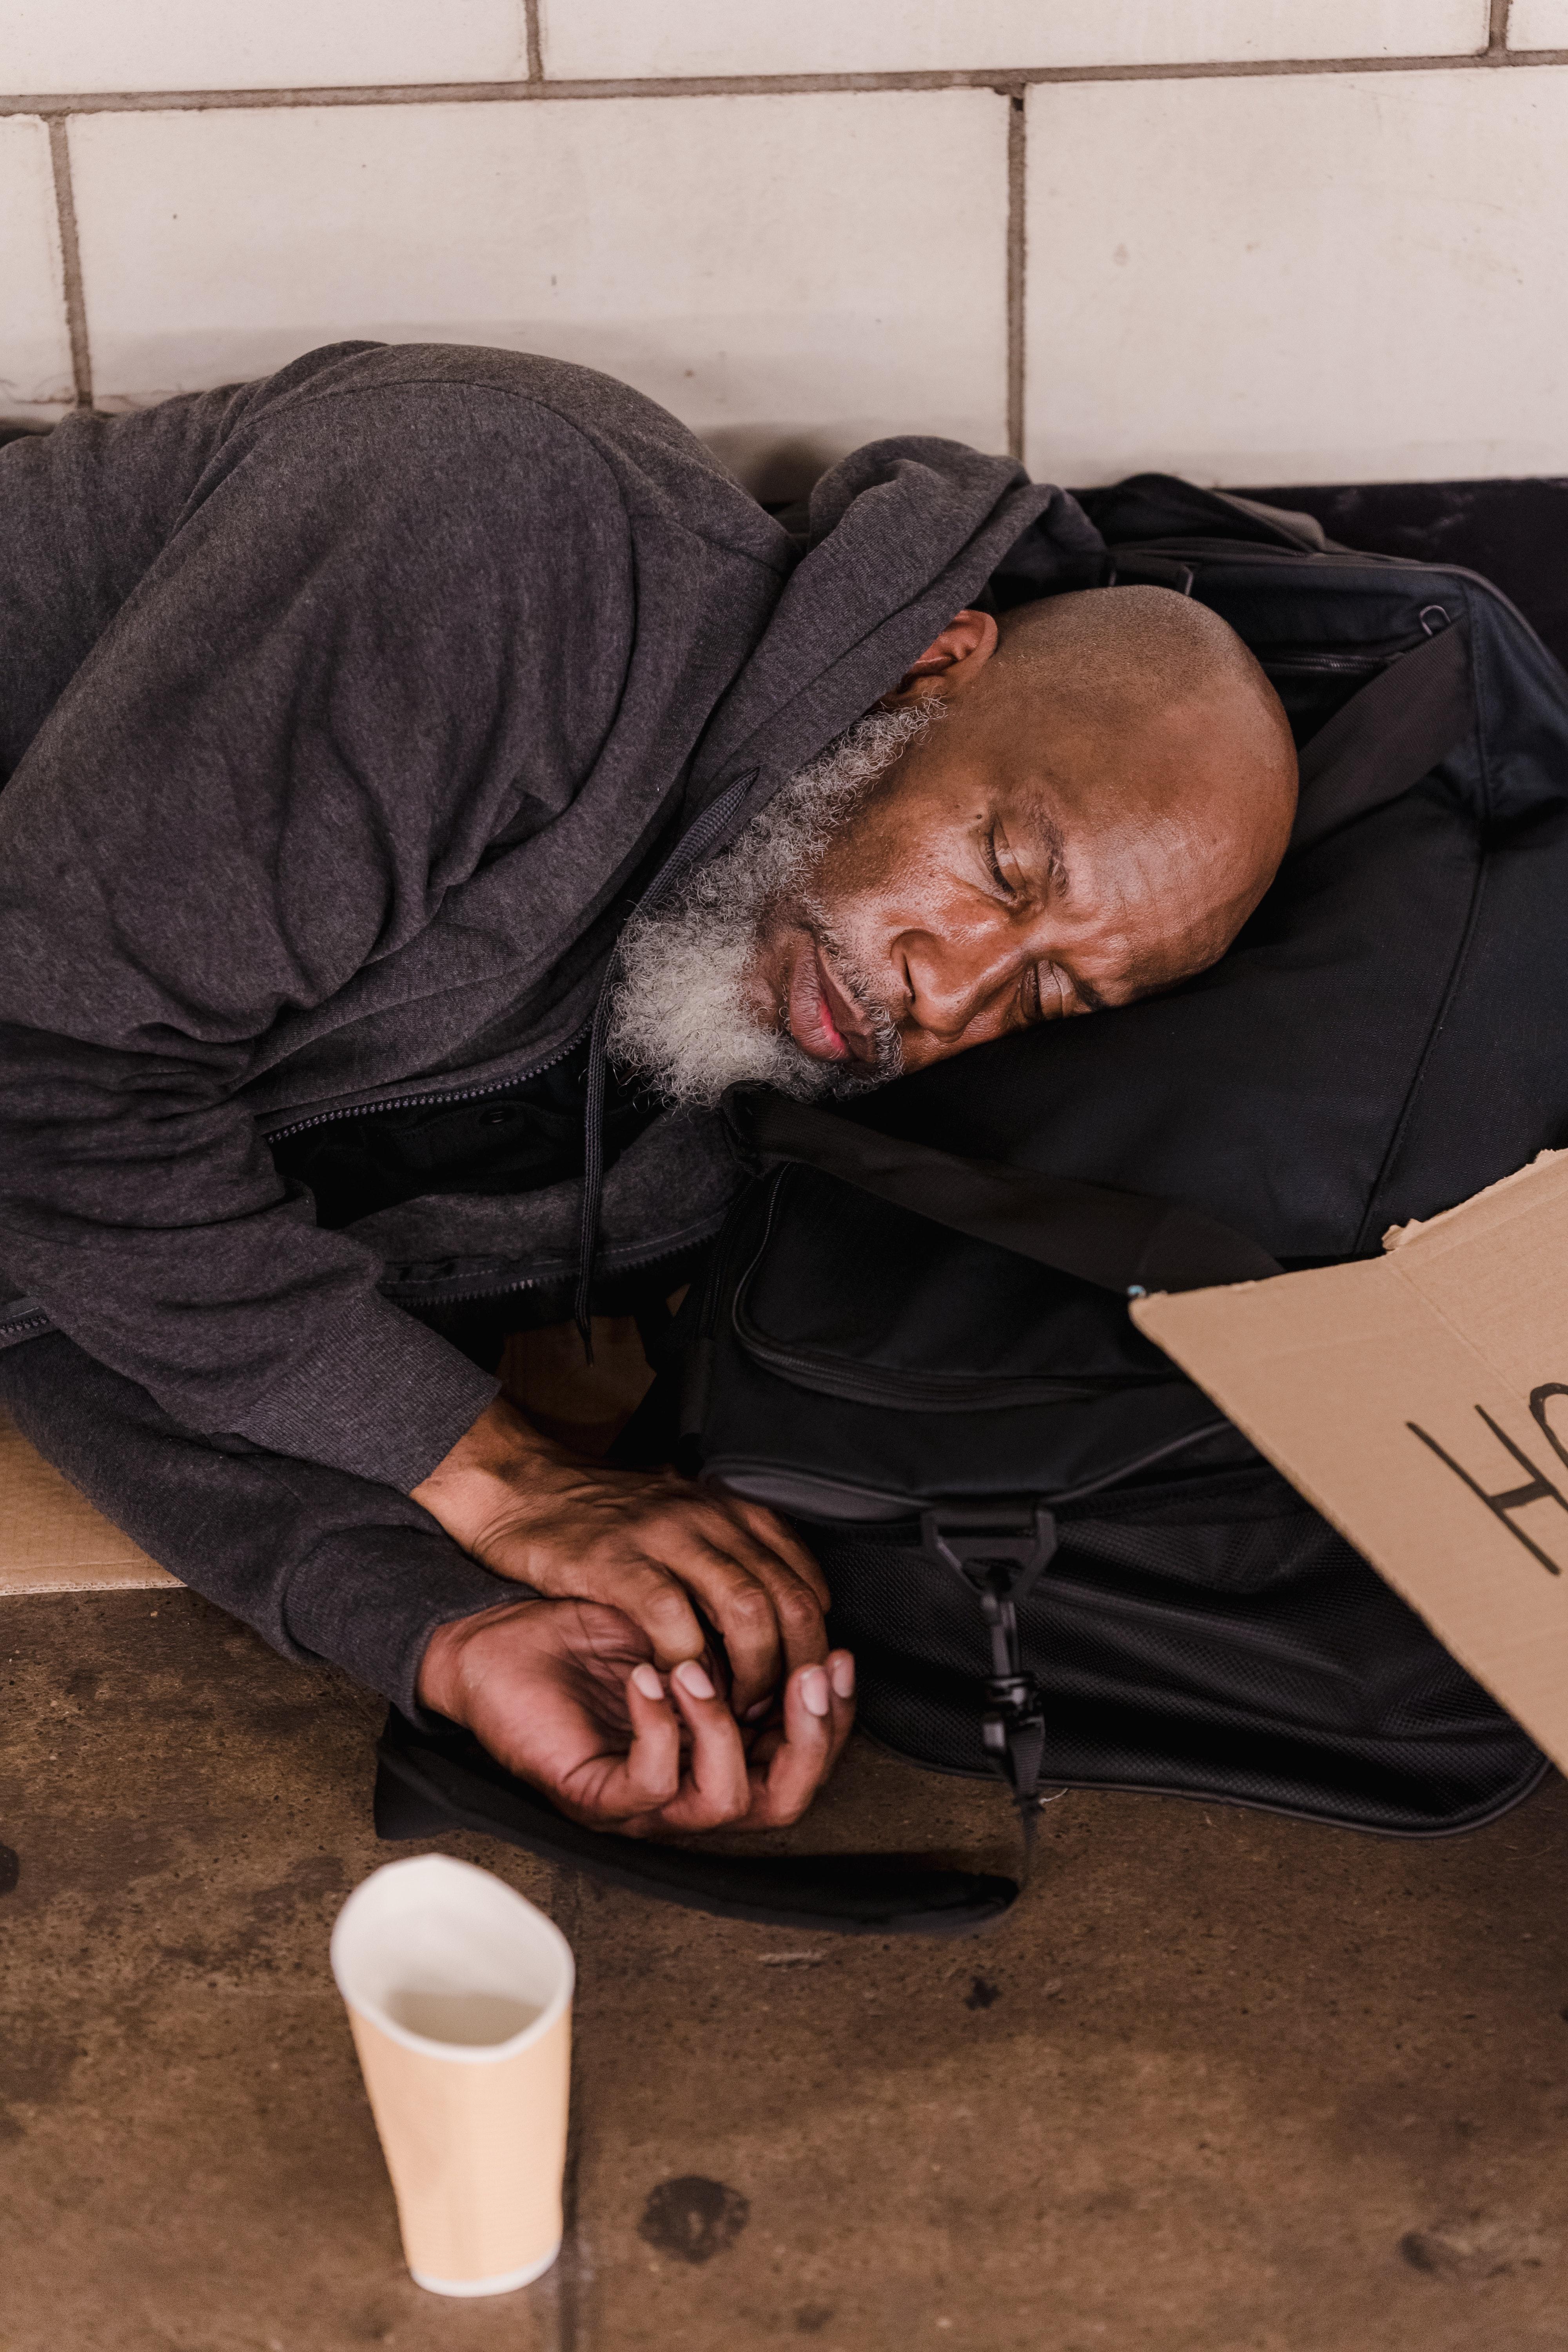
[[755, 1713], [841, 1673], [814, 1690], [648, 1681], [690, 1678]]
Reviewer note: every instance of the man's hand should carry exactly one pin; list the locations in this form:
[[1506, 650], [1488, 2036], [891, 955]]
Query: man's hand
[[638, 1543], [562, 1693]]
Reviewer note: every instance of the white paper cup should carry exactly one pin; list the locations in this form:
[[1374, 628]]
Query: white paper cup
[[459, 1995]]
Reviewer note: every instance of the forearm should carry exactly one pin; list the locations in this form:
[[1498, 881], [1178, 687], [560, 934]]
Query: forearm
[[322, 1564], [167, 1249]]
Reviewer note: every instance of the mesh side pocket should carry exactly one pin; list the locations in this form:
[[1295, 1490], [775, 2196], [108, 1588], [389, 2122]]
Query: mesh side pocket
[[1240, 1531], [1235, 1648]]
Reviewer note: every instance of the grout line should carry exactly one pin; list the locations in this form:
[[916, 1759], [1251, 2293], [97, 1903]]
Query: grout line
[[1497, 29], [186, 101], [70, 264], [559, 2299], [535, 42], [1017, 234]]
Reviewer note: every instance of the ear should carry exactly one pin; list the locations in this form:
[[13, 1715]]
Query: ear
[[949, 663]]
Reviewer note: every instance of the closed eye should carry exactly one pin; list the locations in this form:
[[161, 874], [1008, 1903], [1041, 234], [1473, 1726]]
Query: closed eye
[[992, 860]]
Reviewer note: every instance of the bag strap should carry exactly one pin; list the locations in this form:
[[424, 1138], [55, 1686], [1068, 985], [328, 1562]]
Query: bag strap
[[1124, 1242], [1388, 737], [429, 1782]]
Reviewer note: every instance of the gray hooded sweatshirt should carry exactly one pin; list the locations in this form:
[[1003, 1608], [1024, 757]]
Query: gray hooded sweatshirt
[[341, 718]]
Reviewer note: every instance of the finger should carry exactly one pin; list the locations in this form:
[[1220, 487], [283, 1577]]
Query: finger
[[751, 1537], [692, 1542], [802, 1640], [739, 1606], [715, 1787], [616, 1789], [652, 1596], [619, 1568], [770, 1530], [771, 1620], [764, 1743], [819, 1711], [802, 1625]]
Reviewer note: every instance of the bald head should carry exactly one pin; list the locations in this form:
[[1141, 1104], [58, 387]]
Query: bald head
[[1108, 660]]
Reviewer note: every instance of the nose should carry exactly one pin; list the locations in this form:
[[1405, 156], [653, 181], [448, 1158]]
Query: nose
[[960, 987]]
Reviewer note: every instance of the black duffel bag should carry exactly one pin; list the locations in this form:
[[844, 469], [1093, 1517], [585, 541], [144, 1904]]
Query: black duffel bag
[[1050, 1553]]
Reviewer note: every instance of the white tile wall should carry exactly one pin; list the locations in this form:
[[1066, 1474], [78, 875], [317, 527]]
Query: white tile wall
[[770, 268], [137, 44], [1314, 273], [1301, 279], [1538, 25], [35, 354], [596, 38]]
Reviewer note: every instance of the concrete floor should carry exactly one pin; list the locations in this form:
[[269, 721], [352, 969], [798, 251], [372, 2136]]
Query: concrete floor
[[1222, 2084]]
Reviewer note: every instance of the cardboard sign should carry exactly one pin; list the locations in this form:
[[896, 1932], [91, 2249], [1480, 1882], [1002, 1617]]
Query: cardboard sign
[[51, 1538], [1419, 1401]]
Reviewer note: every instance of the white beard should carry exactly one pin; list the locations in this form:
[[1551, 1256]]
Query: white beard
[[681, 1013]]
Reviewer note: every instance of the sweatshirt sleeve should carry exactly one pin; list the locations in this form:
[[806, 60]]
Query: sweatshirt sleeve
[[323, 1565], [301, 729]]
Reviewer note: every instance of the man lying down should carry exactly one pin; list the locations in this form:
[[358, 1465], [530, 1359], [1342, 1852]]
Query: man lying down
[[345, 717]]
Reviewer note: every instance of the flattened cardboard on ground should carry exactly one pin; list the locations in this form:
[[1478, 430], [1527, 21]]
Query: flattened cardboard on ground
[[1420, 1401], [51, 1538]]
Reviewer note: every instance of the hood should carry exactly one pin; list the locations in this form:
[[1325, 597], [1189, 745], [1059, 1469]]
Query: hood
[[900, 536]]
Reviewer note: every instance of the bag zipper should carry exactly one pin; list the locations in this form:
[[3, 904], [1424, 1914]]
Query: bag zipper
[[1312, 662], [1326, 664], [815, 1503], [828, 1375]]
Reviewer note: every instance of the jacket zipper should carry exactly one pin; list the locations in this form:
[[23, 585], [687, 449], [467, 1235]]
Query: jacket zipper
[[36, 1321], [466, 1295], [42, 1322], [447, 1095], [639, 1265]]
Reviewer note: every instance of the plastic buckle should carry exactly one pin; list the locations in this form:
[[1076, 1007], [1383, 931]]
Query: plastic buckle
[[983, 1541], [1001, 1562]]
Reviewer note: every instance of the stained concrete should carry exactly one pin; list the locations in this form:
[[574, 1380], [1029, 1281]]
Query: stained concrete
[[1222, 2082]]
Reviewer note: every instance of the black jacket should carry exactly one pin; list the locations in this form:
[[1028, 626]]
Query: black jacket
[[341, 716]]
